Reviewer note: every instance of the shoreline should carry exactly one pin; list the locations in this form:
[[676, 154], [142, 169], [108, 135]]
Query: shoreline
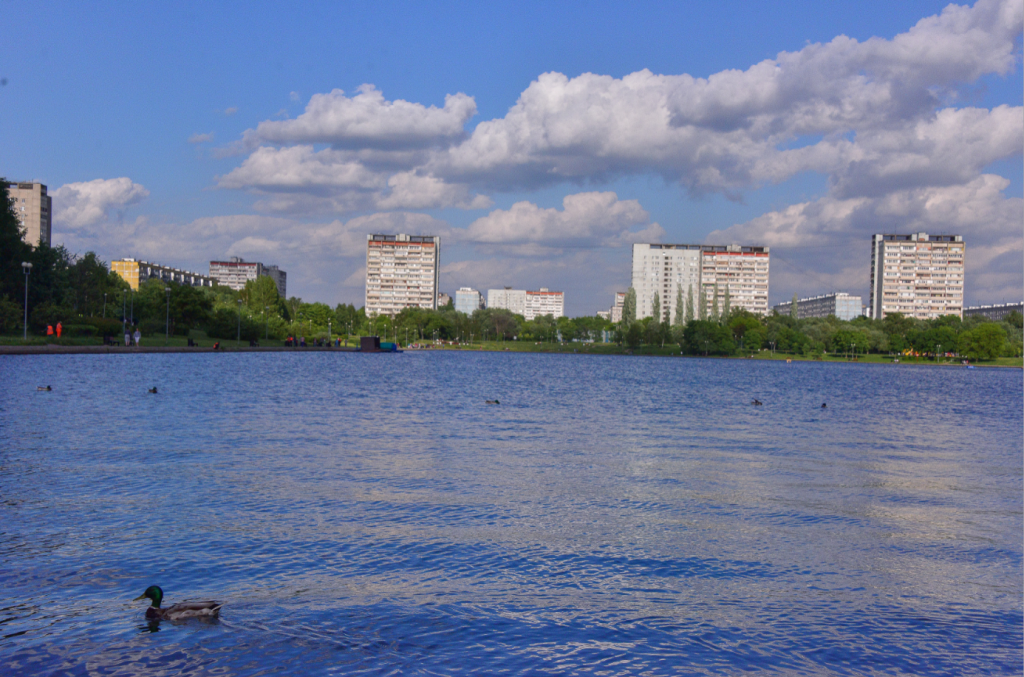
[[56, 349]]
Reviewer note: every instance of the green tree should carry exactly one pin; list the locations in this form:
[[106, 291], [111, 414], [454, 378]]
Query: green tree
[[634, 335], [726, 305], [629, 306], [680, 308], [702, 304], [793, 308], [13, 249], [983, 342], [689, 304], [703, 337], [656, 308]]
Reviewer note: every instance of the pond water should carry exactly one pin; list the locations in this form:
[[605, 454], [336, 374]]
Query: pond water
[[370, 514]]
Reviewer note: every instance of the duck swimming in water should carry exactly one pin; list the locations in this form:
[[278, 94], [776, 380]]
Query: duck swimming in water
[[824, 406], [43, 388], [153, 390], [757, 403], [492, 401], [177, 612]]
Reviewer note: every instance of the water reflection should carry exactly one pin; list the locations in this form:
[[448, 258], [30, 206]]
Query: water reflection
[[621, 516]]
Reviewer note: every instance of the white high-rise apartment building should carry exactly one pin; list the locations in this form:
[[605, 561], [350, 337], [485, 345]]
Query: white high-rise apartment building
[[236, 272], [402, 271], [918, 275], [742, 271], [544, 302], [468, 300], [34, 209], [662, 268], [666, 268], [510, 299]]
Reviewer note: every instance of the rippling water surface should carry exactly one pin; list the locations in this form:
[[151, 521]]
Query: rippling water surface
[[613, 516]]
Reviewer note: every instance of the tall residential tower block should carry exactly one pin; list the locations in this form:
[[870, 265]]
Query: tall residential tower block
[[402, 271], [666, 269], [918, 275], [34, 209]]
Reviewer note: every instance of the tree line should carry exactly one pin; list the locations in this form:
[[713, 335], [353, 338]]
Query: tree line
[[735, 331]]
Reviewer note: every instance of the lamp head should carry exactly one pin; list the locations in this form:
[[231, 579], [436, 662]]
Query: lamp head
[[26, 265]]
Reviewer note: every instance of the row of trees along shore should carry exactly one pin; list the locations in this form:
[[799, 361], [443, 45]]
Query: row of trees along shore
[[82, 293]]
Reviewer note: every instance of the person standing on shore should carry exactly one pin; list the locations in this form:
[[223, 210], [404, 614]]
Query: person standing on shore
[[60, 329], [138, 336], [127, 337]]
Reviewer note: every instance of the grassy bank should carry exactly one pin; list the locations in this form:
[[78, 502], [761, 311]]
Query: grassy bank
[[203, 341]]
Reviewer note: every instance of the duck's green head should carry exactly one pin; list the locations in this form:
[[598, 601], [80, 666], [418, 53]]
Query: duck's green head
[[154, 593]]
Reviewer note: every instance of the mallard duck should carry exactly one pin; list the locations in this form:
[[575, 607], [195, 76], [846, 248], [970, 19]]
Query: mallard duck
[[757, 403], [153, 390], [43, 388], [177, 612], [492, 401]]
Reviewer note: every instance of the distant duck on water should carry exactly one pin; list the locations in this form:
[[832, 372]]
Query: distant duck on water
[[43, 388], [824, 406], [492, 401], [757, 403], [177, 612], [153, 390]]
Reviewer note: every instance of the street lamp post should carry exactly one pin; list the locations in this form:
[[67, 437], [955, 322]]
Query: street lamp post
[[266, 324], [328, 333], [238, 338], [167, 325], [124, 303], [104, 305], [132, 307], [938, 346], [27, 267]]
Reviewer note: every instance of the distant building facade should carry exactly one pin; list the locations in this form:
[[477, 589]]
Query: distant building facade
[[995, 312], [544, 302], [468, 300], [34, 209], [918, 275], [666, 269], [510, 299], [529, 304], [842, 305], [402, 271], [136, 272], [443, 299], [237, 271], [615, 313]]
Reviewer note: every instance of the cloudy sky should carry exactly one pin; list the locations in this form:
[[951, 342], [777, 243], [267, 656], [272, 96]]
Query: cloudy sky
[[539, 142]]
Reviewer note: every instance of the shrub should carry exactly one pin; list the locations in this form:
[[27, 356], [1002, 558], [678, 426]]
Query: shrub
[[11, 316], [78, 330]]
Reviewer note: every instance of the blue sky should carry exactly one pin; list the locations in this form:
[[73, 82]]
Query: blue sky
[[896, 129]]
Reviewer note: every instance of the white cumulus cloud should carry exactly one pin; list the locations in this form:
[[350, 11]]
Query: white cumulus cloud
[[87, 203]]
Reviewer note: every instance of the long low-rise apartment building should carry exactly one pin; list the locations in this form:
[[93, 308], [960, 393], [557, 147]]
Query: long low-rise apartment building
[[842, 305], [235, 272], [529, 304], [994, 312], [136, 272]]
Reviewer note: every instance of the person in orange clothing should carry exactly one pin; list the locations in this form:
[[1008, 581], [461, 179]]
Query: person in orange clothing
[[49, 330], [60, 328]]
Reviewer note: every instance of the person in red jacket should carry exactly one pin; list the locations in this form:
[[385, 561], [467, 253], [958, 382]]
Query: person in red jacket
[[60, 328], [49, 330]]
